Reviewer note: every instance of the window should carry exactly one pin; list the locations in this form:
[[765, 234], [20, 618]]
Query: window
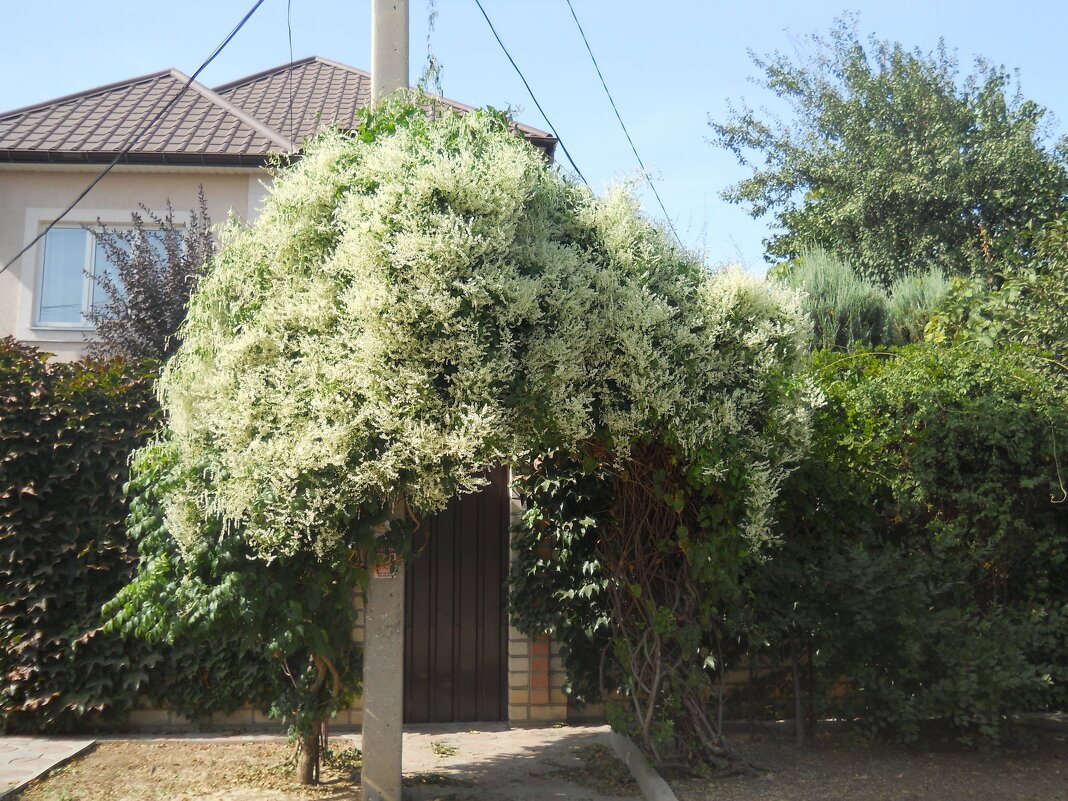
[[73, 260], [68, 289]]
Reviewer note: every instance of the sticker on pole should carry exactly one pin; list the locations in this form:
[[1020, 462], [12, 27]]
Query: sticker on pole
[[386, 563]]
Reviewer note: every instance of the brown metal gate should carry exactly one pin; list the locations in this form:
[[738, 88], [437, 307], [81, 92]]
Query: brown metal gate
[[455, 622]]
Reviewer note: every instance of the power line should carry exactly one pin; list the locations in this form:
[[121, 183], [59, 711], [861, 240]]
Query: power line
[[645, 172], [289, 73], [136, 136], [531, 93]]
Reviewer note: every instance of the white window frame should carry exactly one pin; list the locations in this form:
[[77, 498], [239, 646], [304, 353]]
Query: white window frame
[[88, 276], [32, 269], [29, 326]]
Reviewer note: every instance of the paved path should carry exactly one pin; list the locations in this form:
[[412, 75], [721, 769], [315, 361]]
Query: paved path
[[25, 758], [500, 764]]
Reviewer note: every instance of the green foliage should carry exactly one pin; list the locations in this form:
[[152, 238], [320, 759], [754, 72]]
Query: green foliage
[[422, 299], [1024, 303], [557, 582], [924, 541], [634, 569], [893, 163], [279, 631], [845, 308], [913, 300], [66, 432], [425, 298]]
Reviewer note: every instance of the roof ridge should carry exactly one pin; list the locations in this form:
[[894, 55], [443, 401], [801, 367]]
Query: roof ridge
[[289, 65], [96, 90], [332, 63], [253, 122]]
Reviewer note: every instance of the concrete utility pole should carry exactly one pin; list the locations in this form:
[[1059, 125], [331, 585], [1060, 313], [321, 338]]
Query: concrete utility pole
[[383, 654], [389, 47]]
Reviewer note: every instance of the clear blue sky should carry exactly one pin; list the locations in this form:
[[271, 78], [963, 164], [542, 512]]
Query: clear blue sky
[[669, 64]]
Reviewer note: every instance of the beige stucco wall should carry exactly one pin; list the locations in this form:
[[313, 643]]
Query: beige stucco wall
[[30, 197]]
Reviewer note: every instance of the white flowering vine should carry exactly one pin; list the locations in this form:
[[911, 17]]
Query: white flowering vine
[[413, 309]]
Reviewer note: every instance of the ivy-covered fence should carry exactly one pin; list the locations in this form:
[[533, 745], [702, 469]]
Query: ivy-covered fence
[[66, 432], [66, 435]]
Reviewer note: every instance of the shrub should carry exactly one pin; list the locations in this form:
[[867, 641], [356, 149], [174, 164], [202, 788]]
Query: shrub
[[913, 299], [154, 269], [845, 308], [924, 540]]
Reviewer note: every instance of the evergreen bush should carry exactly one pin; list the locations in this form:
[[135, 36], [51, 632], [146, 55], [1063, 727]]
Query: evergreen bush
[[844, 307]]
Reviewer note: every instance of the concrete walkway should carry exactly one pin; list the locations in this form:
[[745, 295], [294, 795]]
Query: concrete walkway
[[496, 763], [25, 758]]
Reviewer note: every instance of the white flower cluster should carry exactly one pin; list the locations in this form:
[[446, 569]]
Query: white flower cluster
[[412, 310]]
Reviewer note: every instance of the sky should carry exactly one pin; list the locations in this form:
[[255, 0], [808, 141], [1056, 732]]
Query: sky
[[670, 65]]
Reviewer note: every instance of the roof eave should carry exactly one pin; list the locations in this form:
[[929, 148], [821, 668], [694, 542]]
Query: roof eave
[[163, 159]]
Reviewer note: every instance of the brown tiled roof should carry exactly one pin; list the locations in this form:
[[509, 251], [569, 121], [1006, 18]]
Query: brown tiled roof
[[322, 92], [201, 127], [241, 122], [300, 98]]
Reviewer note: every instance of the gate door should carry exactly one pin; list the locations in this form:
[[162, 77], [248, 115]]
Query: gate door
[[455, 622]]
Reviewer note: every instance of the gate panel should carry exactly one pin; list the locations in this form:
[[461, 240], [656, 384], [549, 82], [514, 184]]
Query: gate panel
[[455, 622]]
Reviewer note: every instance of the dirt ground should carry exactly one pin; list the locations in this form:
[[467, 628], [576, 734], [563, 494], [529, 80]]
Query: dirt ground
[[194, 771], [836, 767], [528, 765]]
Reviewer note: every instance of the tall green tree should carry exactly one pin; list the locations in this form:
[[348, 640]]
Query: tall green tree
[[891, 160]]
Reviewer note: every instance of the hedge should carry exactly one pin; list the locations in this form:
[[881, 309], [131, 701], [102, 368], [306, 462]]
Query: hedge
[[66, 432]]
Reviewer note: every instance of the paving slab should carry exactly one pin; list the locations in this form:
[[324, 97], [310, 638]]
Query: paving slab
[[23, 759]]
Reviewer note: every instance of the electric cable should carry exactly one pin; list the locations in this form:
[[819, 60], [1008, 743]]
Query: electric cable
[[291, 119], [530, 91], [611, 100], [136, 136]]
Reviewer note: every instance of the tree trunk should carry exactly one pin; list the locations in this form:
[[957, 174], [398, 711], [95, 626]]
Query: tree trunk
[[308, 757]]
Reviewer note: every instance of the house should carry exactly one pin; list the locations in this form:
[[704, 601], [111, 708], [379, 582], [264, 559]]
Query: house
[[220, 138], [463, 659]]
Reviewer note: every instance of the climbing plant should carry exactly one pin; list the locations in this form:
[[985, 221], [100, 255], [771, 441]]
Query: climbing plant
[[281, 629], [66, 433], [423, 298]]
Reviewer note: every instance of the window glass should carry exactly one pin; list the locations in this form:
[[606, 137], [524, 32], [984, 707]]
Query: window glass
[[63, 277], [68, 283], [101, 266]]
